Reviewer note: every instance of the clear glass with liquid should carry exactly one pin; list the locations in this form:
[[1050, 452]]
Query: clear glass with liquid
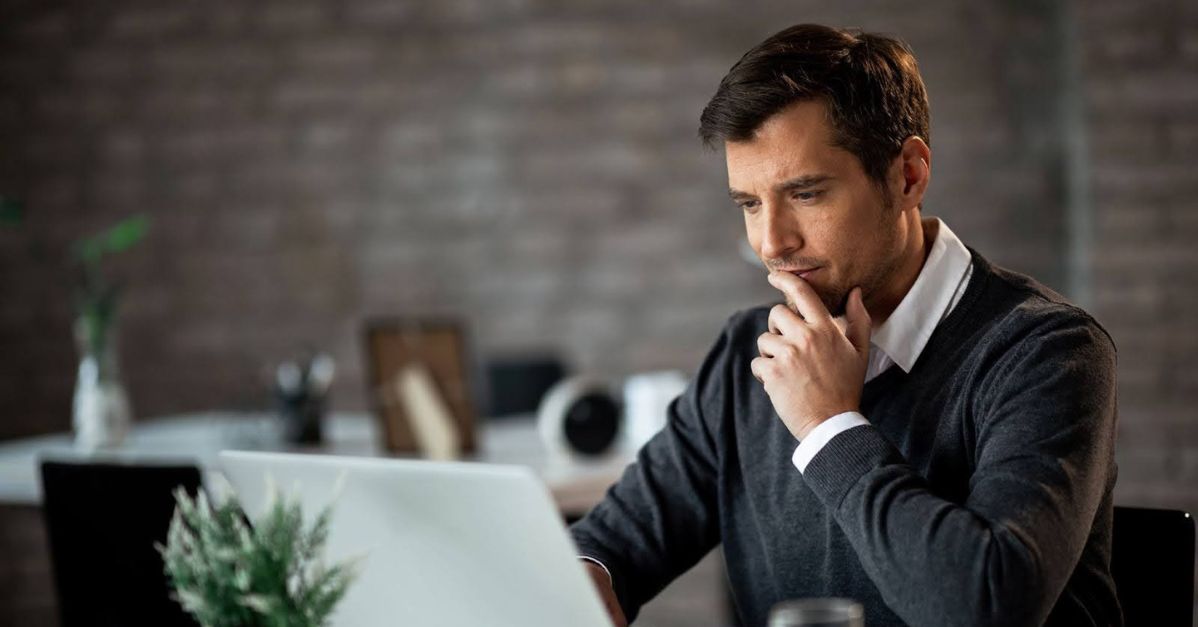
[[817, 613]]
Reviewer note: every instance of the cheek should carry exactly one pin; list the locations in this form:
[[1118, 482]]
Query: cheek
[[753, 235], [845, 245]]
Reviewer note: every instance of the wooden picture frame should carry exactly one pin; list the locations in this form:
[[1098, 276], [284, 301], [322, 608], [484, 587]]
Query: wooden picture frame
[[440, 345]]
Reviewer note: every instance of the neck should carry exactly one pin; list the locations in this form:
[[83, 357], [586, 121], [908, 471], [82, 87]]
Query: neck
[[916, 247]]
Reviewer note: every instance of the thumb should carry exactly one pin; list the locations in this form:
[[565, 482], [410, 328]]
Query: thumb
[[858, 321]]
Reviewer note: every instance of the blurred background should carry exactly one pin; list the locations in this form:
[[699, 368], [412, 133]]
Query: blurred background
[[531, 168]]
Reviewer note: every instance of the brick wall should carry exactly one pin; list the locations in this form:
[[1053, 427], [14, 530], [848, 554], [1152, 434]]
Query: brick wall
[[529, 167], [1141, 96]]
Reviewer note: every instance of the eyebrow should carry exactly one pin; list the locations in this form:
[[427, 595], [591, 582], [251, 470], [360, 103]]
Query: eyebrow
[[797, 183]]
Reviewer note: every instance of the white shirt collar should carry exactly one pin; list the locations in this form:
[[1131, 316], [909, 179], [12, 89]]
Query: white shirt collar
[[941, 281]]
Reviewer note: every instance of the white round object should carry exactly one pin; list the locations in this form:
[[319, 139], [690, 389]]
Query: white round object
[[566, 410]]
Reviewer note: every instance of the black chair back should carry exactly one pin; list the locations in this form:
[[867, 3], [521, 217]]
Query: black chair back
[[102, 521], [1152, 562]]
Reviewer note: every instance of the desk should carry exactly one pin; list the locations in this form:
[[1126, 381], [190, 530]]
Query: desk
[[576, 484], [696, 599]]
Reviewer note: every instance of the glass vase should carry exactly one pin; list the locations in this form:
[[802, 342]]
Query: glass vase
[[100, 412]]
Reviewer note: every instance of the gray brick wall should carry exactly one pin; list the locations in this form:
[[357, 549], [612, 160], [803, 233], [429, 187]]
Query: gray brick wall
[[530, 167], [1141, 94]]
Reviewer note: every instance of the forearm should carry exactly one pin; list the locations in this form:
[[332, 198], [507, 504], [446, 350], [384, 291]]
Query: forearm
[[655, 523], [603, 584], [661, 517], [1000, 558], [1039, 425]]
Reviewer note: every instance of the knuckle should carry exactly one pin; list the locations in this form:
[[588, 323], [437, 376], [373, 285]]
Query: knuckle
[[755, 370]]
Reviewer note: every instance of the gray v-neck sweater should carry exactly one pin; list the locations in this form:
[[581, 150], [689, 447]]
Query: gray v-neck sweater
[[980, 494]]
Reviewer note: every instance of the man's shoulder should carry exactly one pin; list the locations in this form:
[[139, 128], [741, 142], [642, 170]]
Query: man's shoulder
[[1031, 311]]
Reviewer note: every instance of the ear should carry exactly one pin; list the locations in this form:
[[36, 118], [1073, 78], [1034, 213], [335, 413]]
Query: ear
[[911, 172]]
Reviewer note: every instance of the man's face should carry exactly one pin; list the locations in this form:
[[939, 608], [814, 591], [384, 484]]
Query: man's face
[[808, 205]]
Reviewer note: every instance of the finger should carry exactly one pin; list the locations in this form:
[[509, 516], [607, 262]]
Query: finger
[[801, 297], [858, 320], [757, 364], [771, 345], [784, 321]]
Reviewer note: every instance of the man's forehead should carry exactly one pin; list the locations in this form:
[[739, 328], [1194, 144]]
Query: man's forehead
[[805, 118], [794, 165], [792, 144]]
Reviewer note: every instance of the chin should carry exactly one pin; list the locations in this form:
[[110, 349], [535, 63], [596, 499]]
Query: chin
[[835, 302]]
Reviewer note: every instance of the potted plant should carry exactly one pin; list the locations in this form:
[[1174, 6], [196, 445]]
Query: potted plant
[[225, 573], [101, 414]]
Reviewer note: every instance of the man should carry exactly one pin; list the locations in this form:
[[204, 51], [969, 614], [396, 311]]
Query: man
[[917, 429]]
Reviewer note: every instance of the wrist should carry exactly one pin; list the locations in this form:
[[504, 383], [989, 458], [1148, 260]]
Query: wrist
[[806, 428], [810, 425], [823, 433]]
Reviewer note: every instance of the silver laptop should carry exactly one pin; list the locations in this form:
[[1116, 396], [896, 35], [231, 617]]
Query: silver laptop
[[442, 544]]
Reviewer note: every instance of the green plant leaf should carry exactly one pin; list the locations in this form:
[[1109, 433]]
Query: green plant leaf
[[118, 238], [224, 573], [126, 233]]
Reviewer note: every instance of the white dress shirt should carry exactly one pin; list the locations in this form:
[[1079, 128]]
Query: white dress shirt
[[902, 337]]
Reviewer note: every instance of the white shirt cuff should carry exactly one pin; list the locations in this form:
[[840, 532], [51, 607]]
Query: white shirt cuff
[[600, 564], [822, 434]]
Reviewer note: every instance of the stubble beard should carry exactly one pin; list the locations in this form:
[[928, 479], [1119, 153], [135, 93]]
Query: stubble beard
[[877, 276], [836, 298]]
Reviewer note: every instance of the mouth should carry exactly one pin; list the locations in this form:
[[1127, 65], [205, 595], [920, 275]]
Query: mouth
[[802, 273]]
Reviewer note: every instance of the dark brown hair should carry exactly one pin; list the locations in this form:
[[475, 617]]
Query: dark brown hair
[[870, 84]]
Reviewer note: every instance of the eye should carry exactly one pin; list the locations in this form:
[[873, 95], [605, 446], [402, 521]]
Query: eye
[[748, 205], [806, 196]]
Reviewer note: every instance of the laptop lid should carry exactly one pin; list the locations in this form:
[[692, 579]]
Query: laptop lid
[[442, 543]]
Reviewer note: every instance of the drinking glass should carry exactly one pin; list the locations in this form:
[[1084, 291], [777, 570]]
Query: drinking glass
[[817, 613]]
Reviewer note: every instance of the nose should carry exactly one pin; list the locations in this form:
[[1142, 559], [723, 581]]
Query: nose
[[780, 234]]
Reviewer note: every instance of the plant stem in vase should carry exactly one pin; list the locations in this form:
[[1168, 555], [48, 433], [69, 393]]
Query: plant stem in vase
[[100, 412]]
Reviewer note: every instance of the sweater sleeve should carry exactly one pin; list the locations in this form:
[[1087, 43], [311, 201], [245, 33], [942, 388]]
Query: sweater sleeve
[[1045, 419], [661, 517]]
